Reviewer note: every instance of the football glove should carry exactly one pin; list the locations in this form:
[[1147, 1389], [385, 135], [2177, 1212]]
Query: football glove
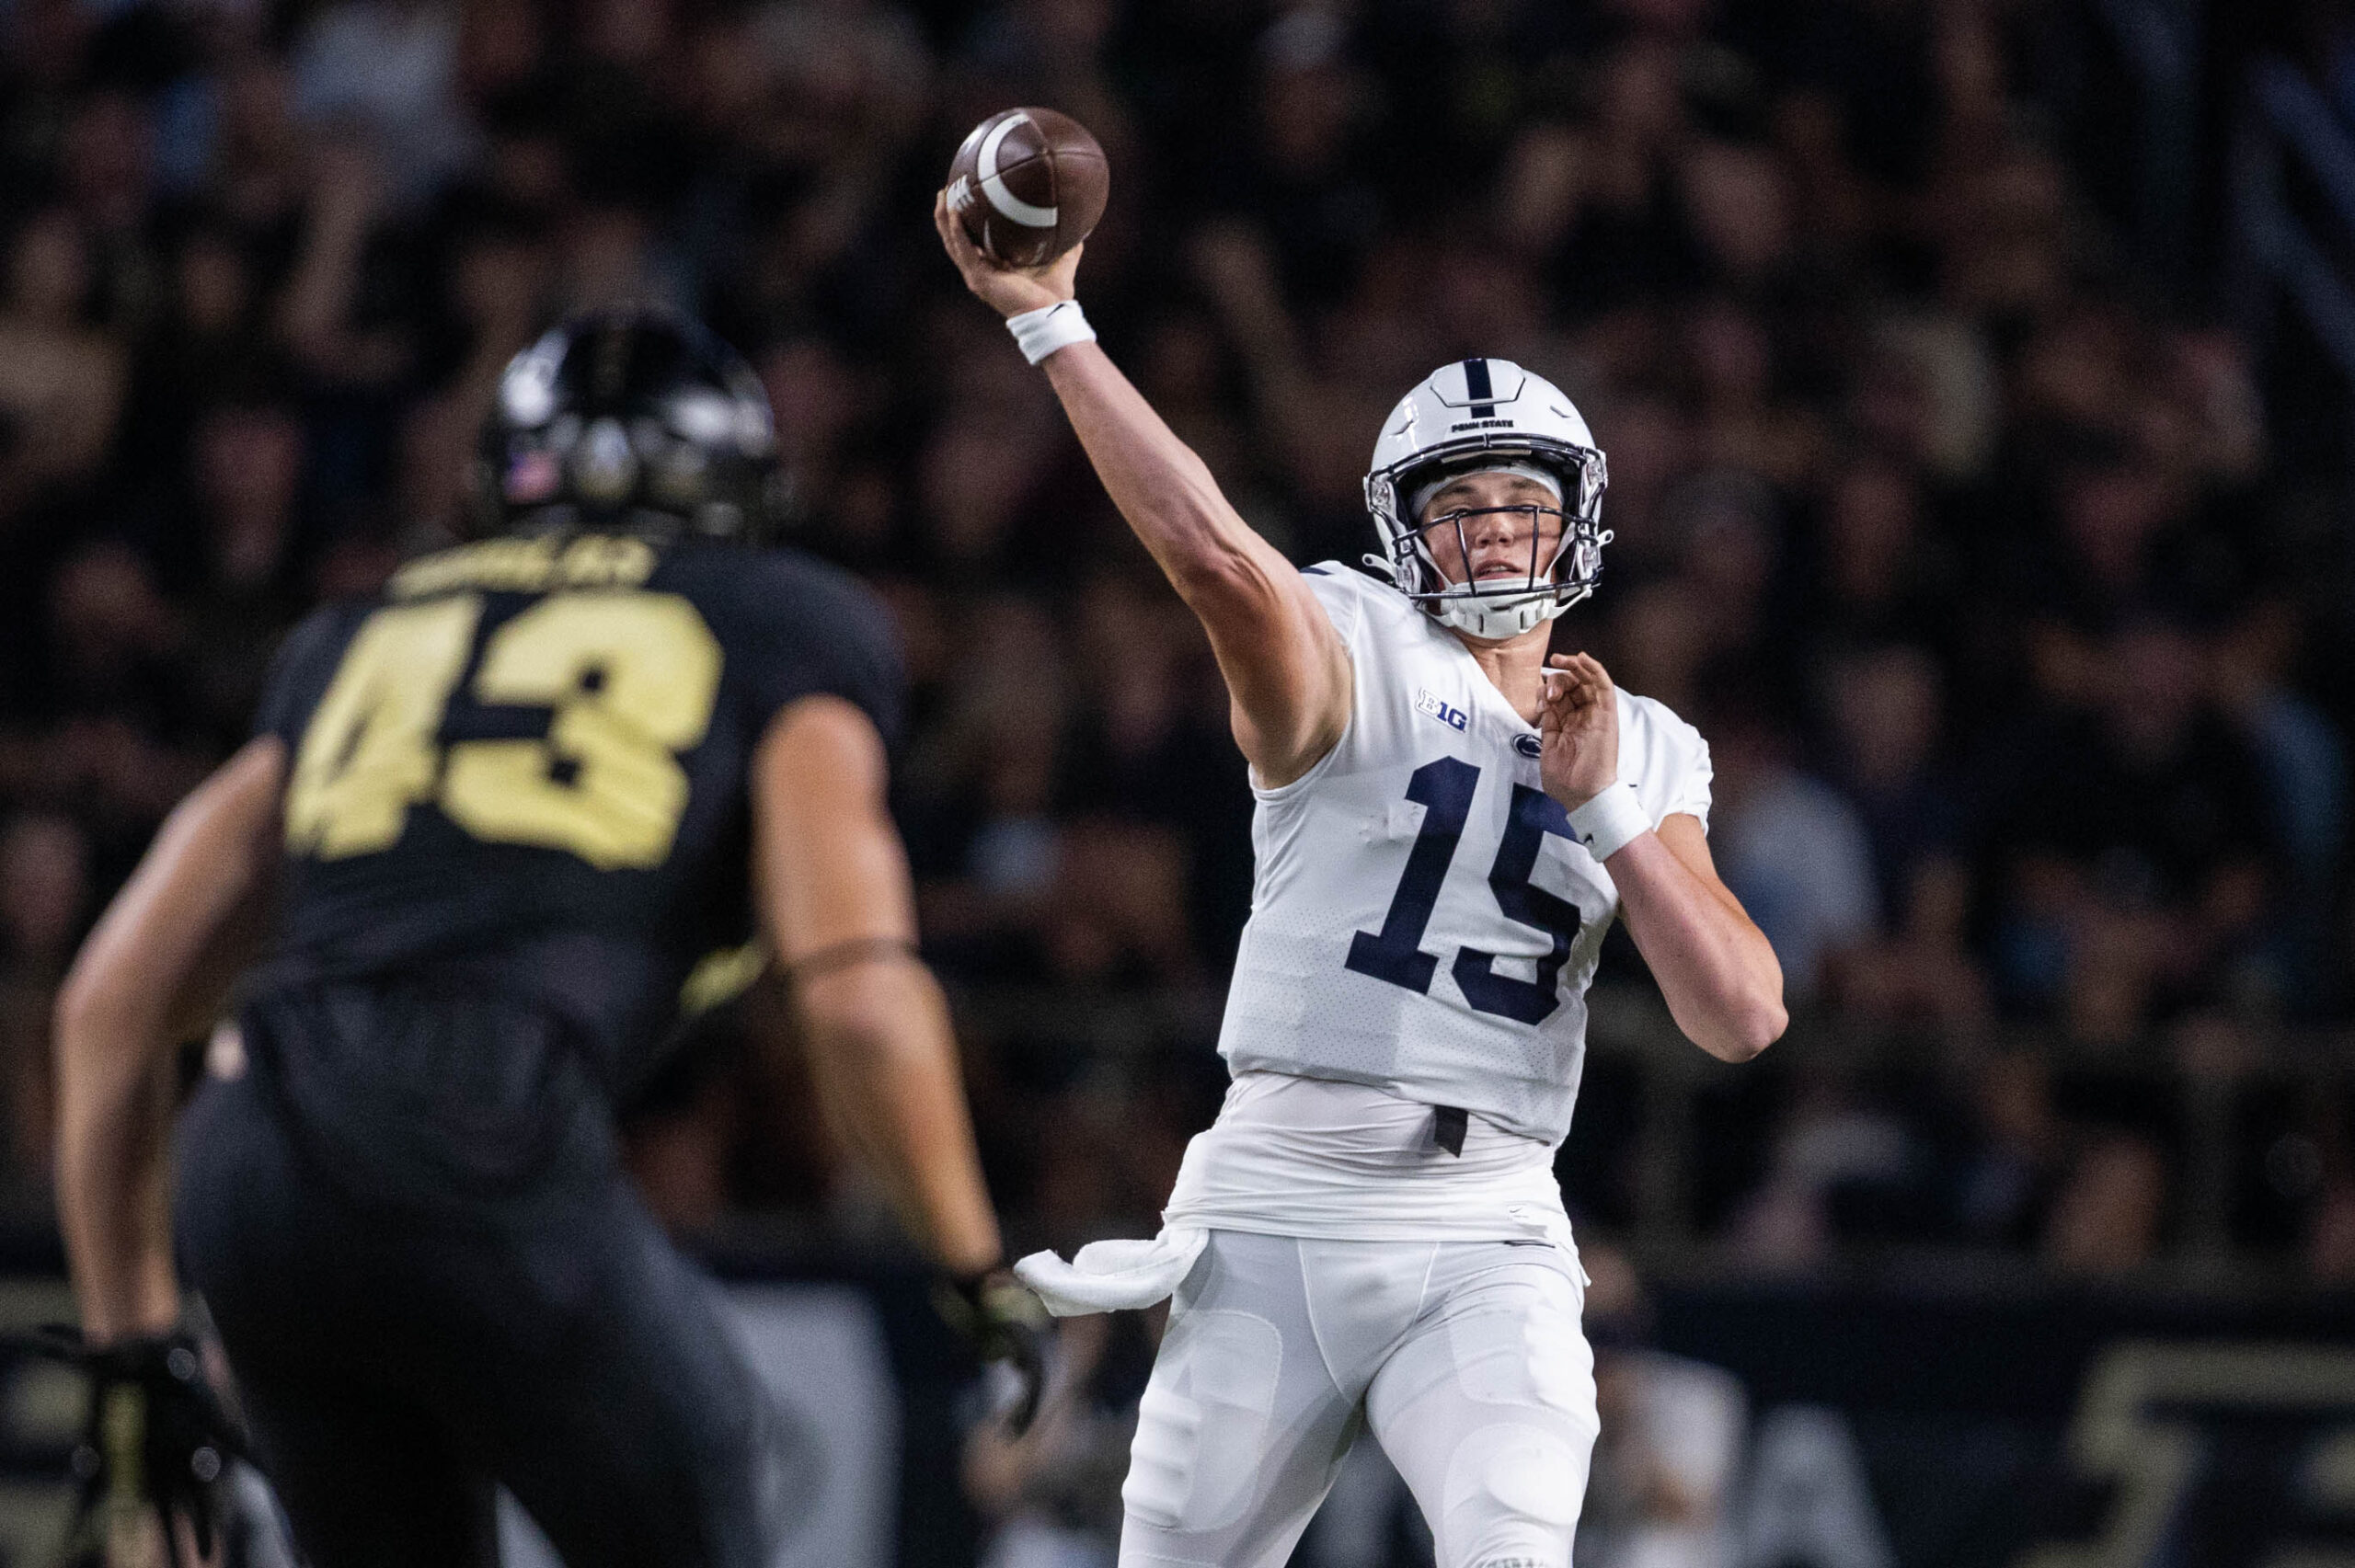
[[156, 1438], [1007, 1326]]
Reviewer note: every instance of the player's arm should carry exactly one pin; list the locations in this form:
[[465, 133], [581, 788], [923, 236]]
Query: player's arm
[[1722, 981], [1715, 967], [840, 912], [155, 971], [1287, 673]]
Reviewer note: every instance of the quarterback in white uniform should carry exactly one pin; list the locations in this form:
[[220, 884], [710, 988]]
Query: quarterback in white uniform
[[1448, 822]]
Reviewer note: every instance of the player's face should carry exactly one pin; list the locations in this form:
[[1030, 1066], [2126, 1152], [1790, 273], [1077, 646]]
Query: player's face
[[1480, 528]]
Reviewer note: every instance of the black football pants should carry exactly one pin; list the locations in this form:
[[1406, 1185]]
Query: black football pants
[[392, 1369]]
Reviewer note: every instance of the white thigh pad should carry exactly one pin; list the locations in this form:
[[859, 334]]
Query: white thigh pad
[[1512, 1497], [1528, 1472], [1203, 1422], [1518, 1341]]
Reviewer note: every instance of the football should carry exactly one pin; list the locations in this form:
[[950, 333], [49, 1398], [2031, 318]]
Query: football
[[1028, 184]]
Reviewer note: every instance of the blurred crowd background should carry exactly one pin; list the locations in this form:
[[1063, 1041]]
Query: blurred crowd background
[[2004, 567]]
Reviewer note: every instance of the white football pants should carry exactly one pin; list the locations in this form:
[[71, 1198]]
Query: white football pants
[[1465, 1358]]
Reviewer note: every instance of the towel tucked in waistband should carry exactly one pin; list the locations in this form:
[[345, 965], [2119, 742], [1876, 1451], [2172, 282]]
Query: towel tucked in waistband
[[1111, 1277]]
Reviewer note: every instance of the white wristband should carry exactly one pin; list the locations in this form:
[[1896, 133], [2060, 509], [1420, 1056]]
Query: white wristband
[[1040, 333], [1612, 820]]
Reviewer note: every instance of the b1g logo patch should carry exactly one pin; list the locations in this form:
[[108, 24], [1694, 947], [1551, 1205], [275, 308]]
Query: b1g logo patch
[[1454, 718]]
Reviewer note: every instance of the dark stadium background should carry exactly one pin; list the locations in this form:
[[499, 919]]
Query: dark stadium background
[[1975, 380]]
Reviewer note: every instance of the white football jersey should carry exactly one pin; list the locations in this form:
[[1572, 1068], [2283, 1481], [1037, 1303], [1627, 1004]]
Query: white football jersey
[[1422, 919]]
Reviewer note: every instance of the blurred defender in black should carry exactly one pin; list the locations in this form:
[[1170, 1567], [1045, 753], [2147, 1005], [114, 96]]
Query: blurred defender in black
[[513, 818]]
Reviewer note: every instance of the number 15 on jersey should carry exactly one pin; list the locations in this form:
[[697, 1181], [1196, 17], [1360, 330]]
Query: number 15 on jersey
[[1444, 789]]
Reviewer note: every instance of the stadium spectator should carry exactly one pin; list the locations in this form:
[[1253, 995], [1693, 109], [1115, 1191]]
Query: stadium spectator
[[1662, 1489], [2003, 1179], [2138, 840], [389, 66], [61, 379], [1792, 849], [1887, 744], [45, 906], [2106, 1218]]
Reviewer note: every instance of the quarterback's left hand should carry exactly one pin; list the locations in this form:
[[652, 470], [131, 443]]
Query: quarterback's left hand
[[1006, 1326], [1577, 721]]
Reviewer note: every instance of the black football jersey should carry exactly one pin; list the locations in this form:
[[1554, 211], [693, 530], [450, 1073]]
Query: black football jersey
[[521, 773]]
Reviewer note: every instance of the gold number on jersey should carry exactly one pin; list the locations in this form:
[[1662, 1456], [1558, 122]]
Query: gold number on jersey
[[632, 677], [368, 753]]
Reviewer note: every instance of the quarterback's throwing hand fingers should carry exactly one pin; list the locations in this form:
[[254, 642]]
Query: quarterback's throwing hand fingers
[[972, 265], [954, 239], [1009, 290]]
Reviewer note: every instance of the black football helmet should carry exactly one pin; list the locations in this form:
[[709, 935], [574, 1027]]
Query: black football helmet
[[631, 422]]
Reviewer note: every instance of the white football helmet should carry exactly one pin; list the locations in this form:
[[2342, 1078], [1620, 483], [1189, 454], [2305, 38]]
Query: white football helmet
[[1475, 415]]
